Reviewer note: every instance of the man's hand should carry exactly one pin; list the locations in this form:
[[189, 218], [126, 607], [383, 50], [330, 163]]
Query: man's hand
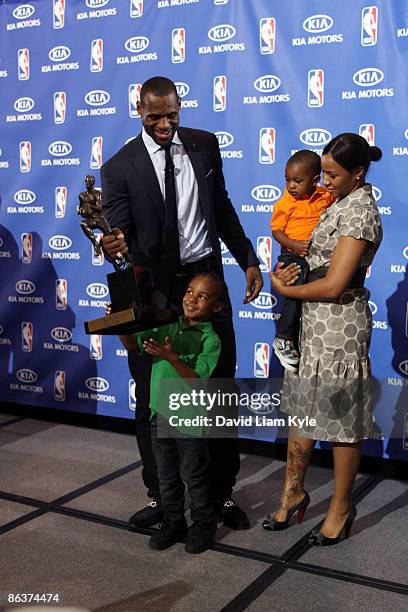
[[112, 245], [254, 283], [163, 351], [301, 247]]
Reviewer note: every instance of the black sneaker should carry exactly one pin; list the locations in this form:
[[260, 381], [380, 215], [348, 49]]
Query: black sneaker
[[170, 532], [233, 516], [200, 536], [148, 516]]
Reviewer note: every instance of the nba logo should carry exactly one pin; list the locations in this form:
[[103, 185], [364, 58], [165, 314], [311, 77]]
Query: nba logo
[[60, 202], [267, 145], [178, 45], [26, 248], [61, 294], [136, 8], [96, 55], [23, 60], [27, 336], [25, 156], [369, 26], [132, 395], [97, 260], [95, 346], [60, 106], [367, 131], [261, 360], [315, 88], [134, 98], [59, 386], [267, 35], [96, 152], [264, 252], [58, 14], [220, 93]]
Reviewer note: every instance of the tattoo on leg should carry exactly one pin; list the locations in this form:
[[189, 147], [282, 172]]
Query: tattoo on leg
[[298, 459]]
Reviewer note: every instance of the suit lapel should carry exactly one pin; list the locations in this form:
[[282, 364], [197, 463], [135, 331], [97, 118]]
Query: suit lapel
[[143, 166], [196, 158]]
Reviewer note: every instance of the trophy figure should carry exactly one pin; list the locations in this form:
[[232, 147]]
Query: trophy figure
[[133, 307]]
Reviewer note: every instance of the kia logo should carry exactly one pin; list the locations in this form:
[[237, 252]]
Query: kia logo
[[266, 193], [403, 367], [406, 134], [24, 196], [317, 23], [61, 334], [182, 89], [59, 53], [225, 139], [59, 148], [26, 375], [221, 33], [373, 307], [366, 77], [60, 243], [264, 301], [23, 12], [97, 290], [97, 97], [96, 3], [1, 242], [377, 193], [224, 248], [405, 252], [267, 83], [137, 44], [315, 136], [25, 287], [23, 105], [1, 330], [96, 383]]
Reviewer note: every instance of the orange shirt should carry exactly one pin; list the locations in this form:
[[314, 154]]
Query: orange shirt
[[298, 218]]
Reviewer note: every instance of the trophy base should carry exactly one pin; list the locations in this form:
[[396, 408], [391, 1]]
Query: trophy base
[[130, 321]]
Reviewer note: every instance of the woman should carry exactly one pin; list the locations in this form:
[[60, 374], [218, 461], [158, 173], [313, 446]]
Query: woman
[[331, 386]]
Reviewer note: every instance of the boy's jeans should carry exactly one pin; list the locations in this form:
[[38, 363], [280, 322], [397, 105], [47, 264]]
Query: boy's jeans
[[289, 323]]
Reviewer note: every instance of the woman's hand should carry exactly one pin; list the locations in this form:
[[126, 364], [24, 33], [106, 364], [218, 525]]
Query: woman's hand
[[284, 276]]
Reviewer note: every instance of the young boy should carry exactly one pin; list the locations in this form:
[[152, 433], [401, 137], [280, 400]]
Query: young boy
[[294, 218], [187, 349]]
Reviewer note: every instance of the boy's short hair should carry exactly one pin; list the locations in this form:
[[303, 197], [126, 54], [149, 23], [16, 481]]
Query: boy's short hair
[[309, 158], [222, 290]]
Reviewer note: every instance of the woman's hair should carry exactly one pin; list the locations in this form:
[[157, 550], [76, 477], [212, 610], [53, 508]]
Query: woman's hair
[[351, 151]]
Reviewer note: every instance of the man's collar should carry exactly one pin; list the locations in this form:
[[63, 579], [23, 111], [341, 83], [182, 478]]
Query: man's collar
[[152, 146]]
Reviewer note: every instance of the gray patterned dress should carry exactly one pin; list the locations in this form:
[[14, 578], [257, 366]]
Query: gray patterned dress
[[332, 385]]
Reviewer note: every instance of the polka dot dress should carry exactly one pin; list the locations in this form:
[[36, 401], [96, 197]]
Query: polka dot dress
[[332, 385]]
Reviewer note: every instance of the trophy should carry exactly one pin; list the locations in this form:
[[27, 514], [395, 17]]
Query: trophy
[[133, 307]]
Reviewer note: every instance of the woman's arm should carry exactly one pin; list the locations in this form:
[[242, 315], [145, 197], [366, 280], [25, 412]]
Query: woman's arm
[[344, 263]]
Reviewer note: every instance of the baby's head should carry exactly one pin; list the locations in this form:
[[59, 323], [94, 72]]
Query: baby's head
[[302, 174], [205, 295]]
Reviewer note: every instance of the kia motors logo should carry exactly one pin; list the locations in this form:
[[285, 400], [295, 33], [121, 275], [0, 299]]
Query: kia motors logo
[[403, 367], [264, 301], [225, 139], [96, 3], [373, 307], [367, 77], [61, 334], [26, 375], [1, 329], [405, 252], [24, 196], [377, 193], [97, 290], [97, 97], [23, 105], [59, 148], [59, 53], [137, 44], [182, 89], [267, 83], [220, 33], [266, 193], [406, 133], [317, 23], [25, 287], [315, 137], [59, 243], [97, 383], [25, 11]]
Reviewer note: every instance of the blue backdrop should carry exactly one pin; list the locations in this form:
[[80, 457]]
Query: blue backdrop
[[269, 79]]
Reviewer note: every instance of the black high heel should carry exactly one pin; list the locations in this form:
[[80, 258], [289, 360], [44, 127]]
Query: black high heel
[[271, 524], [318, 539]]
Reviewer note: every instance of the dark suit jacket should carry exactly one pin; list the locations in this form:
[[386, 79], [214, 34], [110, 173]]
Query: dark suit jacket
[[132, 201]]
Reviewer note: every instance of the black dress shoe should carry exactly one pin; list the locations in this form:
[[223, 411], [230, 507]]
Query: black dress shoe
[[271, 524], [318, 539], [169, 533], [232, 515], [148, 516], [200, 536]]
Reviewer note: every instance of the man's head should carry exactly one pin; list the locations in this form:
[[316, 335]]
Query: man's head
[[302, 174], [205, 295], [159, 109]]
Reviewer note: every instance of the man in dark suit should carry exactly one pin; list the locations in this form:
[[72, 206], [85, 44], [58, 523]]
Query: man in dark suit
[[165, 194]]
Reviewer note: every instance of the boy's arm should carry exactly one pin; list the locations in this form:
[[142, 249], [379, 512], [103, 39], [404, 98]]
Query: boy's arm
[[167, 352], [298, 246]]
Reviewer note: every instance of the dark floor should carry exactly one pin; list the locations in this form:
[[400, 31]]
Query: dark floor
[[66, 493]]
